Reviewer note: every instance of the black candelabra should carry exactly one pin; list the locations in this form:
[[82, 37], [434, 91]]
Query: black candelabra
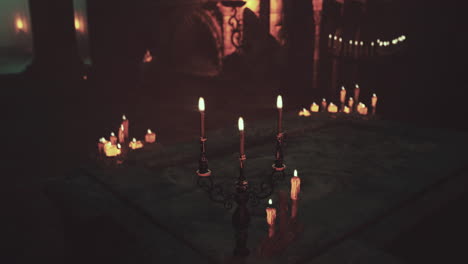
[[235, 23], [243, 194]]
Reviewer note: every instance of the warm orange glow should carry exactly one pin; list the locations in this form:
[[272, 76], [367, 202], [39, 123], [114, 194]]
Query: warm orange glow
[[279, 102], [134, 144], [113, 138], [253, 5], [121, 134], [295, 186], [342, 94], [362, 109], [350, 102], [201, 104], [77, 24], [332, 108], [314, 107], [240, 124], [271, 214], [304, 112], [148, 57], [346, 110], [150, 137], [324, 104], [374, 100], [19, 24], [111, 150], [276, 19], [101, 143], [124, 127]]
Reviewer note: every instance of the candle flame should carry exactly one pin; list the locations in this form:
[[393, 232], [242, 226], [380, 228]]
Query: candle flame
[[374, 95], [342, 88], [134, 140], [334, 38], [351, 99], [77, 24], [279, 102], [372, 43], [19, 24], [122, 127], [362, 43], [241, 124], [324, 100], [350, 42], [270, 201], [118, 145], [124, 117], [149, 131], [201, 104], [329, 36], [102, 140], [340, 39], [295, 173], [112, 134], [355, 42], [357, 86]]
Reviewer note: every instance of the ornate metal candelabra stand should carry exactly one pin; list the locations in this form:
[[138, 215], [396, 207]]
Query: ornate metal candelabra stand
[[235, 23], [243, 194]]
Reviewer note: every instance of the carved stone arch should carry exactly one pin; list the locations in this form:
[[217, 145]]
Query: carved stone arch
[[196, 41]]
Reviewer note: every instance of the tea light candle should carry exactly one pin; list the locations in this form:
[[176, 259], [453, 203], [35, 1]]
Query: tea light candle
[[304, 112], [134, 144], [150, 137], [314, 107], [346, 110], [113, 138], [295, 186], [112, 150], [332, 108]]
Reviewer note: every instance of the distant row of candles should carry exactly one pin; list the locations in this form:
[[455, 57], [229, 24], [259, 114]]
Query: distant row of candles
[[334, 39], [113, 146], [360, 108]]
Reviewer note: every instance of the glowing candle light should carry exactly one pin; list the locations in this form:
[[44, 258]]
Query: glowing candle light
[[271, 217], [121, 134], [314, 107], [101, 143], [356, 92], [342, 95], [279, 105], [346, 110], [324, 105], [112, 150], [113, 138], [332, 108], [241, 135], [304, 112], [293, 209], [150, 136], [374, 103], [201, 108], [351, 102], [329, 40], [134, 144], [148, 57], [125, 126], [295, 186]]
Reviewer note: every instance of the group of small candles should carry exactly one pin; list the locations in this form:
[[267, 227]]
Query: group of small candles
[[333, 38], [295, 180], [113, 146], [360, 108]]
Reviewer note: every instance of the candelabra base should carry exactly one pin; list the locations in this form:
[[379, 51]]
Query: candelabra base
[[203, 174], [275, 168]]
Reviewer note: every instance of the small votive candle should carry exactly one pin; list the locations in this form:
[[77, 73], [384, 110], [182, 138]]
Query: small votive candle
[[134, 144], [150, 137], [314, 107], [332, 108], [346, 110]]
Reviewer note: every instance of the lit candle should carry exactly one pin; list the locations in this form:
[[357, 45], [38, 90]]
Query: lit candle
[[201, 108], [101, 143], [121, 134], [241, 135], [271, 216], [356, 92], [295, 186], [304, 112], [346, 110], [125, 126], [112, 150], [293, 209], [332, 108], [314, 107], [279, 105], [150, 137], [342, 95], [324, 105], [374, 103], [350, 102], [134, 144], [113, 138], [329, 40]]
